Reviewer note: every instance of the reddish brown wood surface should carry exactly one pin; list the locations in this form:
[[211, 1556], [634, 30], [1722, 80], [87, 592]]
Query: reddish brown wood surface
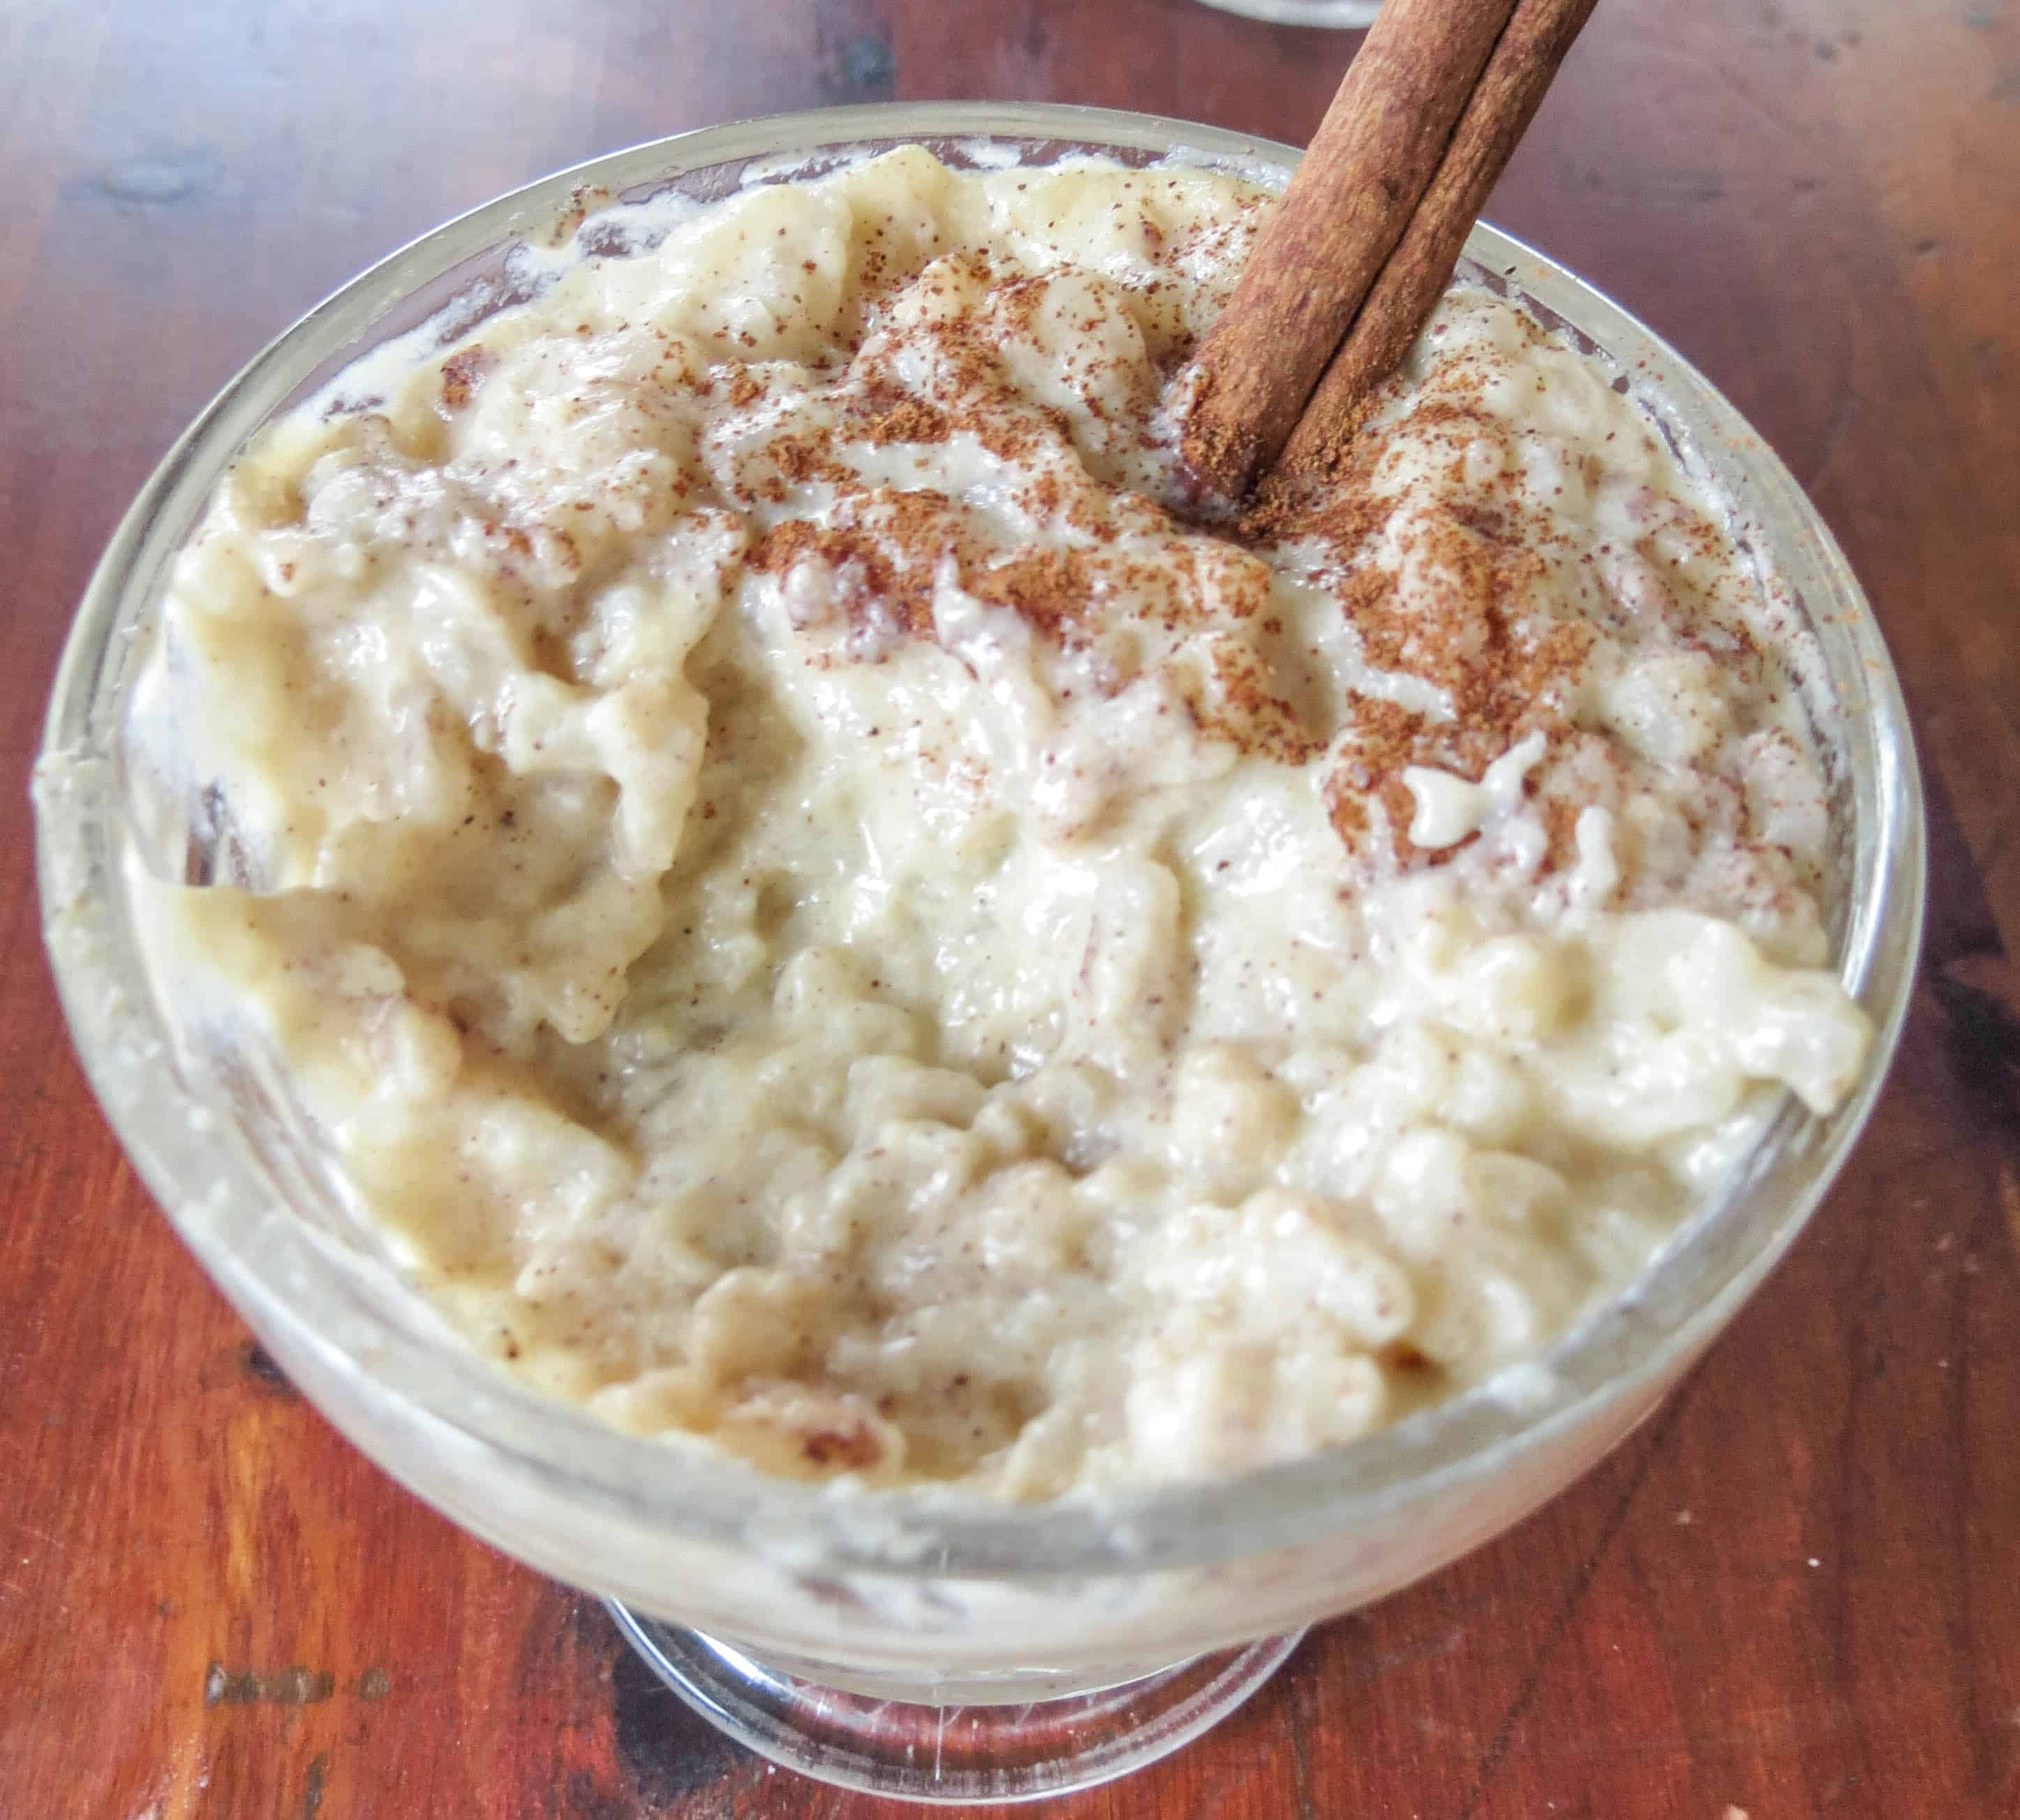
[[1796, 1593]]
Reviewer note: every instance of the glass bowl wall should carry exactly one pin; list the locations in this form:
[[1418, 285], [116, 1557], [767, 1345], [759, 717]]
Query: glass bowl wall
[[902, 1590]]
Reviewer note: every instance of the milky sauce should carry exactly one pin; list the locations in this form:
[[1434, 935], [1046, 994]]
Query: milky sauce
[[827, 913]]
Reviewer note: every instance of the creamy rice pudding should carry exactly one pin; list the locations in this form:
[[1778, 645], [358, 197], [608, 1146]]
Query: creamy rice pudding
[[826, 910]]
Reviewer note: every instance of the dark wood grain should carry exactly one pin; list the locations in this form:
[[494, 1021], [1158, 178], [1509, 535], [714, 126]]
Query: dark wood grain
[[1795, 1591]]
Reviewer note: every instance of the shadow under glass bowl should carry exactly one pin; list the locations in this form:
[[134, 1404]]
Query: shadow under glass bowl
[[925, 1598]]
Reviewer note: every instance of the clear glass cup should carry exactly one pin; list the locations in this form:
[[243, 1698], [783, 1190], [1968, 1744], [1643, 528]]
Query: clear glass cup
[[915, 1642], [1341, 15]]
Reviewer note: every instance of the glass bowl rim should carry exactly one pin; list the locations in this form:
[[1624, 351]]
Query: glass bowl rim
[[194, 1168]]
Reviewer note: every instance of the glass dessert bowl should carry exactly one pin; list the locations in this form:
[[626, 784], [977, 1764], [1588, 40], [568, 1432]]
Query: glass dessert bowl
[[915, 1641]]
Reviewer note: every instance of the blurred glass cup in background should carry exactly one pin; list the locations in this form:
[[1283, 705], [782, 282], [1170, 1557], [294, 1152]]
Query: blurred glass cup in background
[[1342, 14]]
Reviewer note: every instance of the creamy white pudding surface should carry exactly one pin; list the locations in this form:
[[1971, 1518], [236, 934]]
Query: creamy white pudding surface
[[823, 915]]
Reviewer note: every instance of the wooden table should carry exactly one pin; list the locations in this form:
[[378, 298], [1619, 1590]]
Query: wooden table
[[1795, 1591]]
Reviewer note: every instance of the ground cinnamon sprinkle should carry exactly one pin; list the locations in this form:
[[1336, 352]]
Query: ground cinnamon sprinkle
[[884, 546], [743, 388], [804, 458], [853, 1448], [913, 421], [460, 373], [1261, 721], [1466, 621], [1466, 626], [1052, 591]]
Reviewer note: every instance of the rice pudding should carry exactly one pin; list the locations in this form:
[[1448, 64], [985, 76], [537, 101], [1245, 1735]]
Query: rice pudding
[[825, 912]]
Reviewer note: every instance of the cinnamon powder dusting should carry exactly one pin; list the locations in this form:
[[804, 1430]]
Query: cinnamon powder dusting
[[1447, 594], [460, 373], [1467, 624]]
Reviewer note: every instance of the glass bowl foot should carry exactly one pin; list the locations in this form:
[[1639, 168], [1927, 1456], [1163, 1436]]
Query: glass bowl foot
[[970, 1746]]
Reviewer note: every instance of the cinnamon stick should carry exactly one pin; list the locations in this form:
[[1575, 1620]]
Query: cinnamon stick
[[1509, 92], [1345, 209]]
